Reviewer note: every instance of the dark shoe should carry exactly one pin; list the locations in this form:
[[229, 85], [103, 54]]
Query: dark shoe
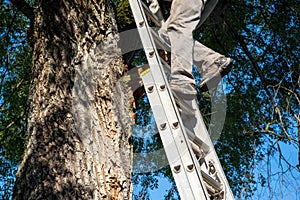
[[214, 73]]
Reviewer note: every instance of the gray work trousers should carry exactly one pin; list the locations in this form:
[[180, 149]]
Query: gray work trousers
[[184, 18]]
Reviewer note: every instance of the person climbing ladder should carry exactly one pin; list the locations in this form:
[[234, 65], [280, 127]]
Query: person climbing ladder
[[193, 161], [177, 31]]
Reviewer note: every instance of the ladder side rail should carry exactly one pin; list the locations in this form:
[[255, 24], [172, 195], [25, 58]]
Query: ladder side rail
[[212, 155], [203, 133], [188, 163], [179, 135], [155, 19], [194, 172], [182, 180]]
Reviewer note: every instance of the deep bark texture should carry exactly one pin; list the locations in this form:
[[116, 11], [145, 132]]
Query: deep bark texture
[[79, 125]]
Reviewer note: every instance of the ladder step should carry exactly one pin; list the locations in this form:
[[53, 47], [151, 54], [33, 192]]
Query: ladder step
[[166, 66], [196, 141], [159, 42], [211, 181], [151, 16], [162, 44], [183, 107]]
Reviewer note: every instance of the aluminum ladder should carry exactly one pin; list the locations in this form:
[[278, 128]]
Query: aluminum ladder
[[194, 163]]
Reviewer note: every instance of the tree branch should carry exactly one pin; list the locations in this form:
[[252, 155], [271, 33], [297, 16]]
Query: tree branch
[[24, 7], [249, 55], [241, 41], [297, 117]]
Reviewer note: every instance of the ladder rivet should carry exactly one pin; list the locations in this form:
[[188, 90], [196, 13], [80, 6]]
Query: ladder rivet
[[163, 126], [142, 24], [177, 169], [162, 87], [150, 89], [151, 54], [175, 125], [190, 168]]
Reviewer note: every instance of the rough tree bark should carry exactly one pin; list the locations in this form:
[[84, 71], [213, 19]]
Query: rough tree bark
[[79, 122]]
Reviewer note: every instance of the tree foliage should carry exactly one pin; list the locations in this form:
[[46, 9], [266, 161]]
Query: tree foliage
[[262, 90], [15, 59]]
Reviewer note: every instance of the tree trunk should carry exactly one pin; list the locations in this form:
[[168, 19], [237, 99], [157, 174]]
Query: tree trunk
[[79, 126]]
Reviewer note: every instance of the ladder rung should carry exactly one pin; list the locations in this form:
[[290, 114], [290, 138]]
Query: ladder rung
[[211, 190], [197, 141], [157, 21], [166, 66], [153, 17], [162, 44], [182, 107], [196, 149], [211, 181]]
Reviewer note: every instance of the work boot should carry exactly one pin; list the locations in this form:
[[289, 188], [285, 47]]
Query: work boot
[[214, 73]]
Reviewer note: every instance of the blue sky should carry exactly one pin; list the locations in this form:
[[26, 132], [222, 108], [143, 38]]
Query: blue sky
[[279, 186]]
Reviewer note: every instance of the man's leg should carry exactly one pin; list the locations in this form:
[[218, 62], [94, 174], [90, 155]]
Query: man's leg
[[208, 62], [184, 17], [204, 56], [212, 65]]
